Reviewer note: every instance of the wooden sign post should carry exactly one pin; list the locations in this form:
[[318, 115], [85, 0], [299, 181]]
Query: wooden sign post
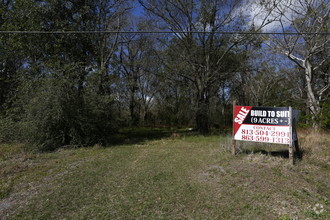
[[233, 144], [291, 152]]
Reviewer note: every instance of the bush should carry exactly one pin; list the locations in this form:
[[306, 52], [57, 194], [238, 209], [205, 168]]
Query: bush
[[325, 116], [9, 130], [61, 112]]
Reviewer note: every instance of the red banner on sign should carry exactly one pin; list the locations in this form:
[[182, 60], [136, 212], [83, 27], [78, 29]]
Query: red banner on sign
[[240, 114]]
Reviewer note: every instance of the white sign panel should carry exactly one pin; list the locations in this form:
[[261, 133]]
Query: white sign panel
[[262, 124]]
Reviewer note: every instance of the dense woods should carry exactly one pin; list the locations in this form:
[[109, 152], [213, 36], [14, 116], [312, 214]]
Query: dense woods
[[75, 72]]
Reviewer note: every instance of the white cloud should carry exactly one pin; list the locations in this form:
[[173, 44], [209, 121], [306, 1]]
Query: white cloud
[[268, 13]]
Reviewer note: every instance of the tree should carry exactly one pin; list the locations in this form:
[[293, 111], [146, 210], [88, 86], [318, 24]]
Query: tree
[[10, 57], [202, 59], [139, 67], [65, 80], [308, 48], [112, 15]]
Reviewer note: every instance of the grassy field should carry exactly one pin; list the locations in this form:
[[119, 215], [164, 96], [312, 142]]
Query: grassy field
[[167, 176]]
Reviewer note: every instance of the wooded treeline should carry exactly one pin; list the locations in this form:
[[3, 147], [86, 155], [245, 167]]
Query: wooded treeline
[[76, 88]]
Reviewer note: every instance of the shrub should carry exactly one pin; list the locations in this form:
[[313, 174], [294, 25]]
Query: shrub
[[9, 130], [63, 111]]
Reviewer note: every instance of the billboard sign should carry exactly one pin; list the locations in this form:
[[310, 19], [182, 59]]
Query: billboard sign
[[262, 124]]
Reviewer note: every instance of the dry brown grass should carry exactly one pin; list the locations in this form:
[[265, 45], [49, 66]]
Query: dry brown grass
[[315, 145]]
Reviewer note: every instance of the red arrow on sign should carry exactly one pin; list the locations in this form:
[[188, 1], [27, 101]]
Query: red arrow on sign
[[240, 114]]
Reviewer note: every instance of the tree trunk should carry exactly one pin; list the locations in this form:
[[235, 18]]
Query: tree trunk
[[312, 103], [135, 113], [202, 116]]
